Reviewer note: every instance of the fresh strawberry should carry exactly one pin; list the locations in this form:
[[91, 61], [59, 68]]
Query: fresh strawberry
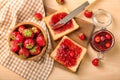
[[102, 38], [19, 38], [88, 13], [27, 33], [35, 50], [60, 1], [96, 62], [35, 30], [38, 16], [82, 36], [107, 45], [29, 43], [14, 46], [97, 39], [40, 40], [108, 36], [15, 42], [14, 34], [24, 53], [21, 28]]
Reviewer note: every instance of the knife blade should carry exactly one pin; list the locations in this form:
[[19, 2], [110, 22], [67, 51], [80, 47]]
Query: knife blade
[[71, 15]]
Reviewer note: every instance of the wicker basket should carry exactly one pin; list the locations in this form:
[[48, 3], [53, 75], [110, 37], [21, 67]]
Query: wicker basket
[[45, 37]]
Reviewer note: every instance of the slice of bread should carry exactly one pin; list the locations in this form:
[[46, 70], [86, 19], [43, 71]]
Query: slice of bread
[[55, 35], [73, 68]]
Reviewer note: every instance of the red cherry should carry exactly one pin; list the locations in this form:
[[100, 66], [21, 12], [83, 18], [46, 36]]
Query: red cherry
[[97, 39], [88, 13], [38, 16], [95, 62]]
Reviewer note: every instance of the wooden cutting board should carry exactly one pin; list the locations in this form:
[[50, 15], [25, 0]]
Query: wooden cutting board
[[85, 27]]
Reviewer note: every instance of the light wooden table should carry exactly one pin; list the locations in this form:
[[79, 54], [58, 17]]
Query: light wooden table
[[110, 70]]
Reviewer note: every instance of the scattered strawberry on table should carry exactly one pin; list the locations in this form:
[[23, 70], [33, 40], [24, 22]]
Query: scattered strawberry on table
[[61, 2], [27, 41], [82, 36], [88, 13], [38, 16], [96, 62]]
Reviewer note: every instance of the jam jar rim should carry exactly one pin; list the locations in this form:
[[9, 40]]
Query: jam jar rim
[[99, 11]]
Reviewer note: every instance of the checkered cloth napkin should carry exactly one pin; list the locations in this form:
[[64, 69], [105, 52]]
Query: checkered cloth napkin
[[13, 12]]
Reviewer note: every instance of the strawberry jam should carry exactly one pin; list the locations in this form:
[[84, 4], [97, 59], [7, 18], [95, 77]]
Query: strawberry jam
[[68, 53], [57, 17], [102, 40]]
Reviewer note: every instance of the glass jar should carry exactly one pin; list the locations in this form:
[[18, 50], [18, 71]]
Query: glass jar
[[102, 40]]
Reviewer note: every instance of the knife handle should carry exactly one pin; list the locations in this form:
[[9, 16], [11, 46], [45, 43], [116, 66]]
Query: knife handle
[[91, 1]]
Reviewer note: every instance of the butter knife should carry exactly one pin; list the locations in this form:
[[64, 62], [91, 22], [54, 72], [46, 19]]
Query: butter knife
[[72, 14]]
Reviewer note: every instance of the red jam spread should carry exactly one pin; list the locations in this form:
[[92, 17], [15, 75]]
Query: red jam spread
[[57, 17], [68, 53]]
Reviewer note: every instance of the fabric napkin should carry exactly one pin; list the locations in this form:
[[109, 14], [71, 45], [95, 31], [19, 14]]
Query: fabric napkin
[[13, 12]]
